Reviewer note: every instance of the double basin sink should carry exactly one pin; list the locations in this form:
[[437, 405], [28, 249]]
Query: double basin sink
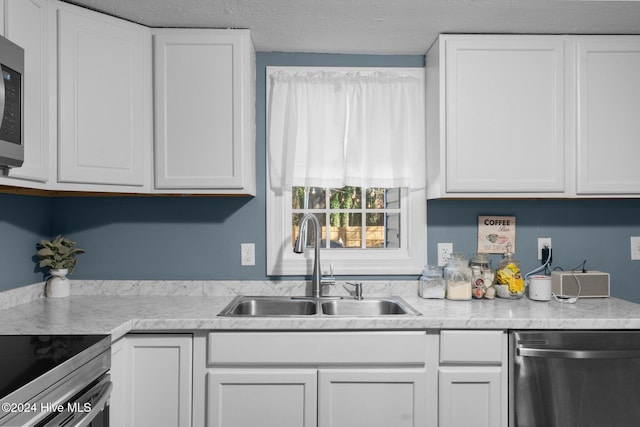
[[281, 306]]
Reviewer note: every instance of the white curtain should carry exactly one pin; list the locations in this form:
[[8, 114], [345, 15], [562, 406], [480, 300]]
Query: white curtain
[[331, 129]]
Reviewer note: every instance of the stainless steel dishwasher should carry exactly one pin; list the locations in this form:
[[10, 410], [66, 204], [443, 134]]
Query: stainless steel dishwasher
[[574, 378]]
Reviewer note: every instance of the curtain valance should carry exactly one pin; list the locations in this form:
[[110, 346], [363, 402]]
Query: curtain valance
[[332, 128]]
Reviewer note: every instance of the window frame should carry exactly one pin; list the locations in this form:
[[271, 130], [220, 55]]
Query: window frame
[[409, 259]]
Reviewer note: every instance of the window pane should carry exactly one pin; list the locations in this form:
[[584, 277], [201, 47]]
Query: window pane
[[392, 198], [347, 234], [308, 198], [295, 221], [375, 231], [345, 198], [375, 198], [392, 231]]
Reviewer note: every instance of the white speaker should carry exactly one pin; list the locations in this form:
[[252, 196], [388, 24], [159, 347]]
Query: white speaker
[[592, 284]]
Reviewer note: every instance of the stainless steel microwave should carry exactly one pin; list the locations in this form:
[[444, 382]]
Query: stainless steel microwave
[[11, 104]]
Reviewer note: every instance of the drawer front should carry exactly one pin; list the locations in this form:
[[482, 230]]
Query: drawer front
[[482, 347], [340, 348]]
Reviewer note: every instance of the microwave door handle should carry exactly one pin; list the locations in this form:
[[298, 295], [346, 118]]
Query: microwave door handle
[[579, 354], [96, 407], [2, 98]]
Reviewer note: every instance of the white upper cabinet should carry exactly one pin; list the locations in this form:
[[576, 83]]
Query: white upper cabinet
[[26, 24], [204, 83], [495, 115], [533, 116], [608, 137], [104, 100]]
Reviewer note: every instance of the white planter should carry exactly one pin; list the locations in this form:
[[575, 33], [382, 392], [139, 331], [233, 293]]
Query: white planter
[[58, 286]]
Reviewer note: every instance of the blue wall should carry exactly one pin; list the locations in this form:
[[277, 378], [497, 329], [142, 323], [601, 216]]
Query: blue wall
[[199, 237], [24, 221], [597, 231]]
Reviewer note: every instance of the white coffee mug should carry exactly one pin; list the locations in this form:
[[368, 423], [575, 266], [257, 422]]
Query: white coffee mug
[[540, 288]]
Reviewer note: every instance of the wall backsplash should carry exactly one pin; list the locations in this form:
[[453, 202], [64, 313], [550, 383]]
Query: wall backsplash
[[597, 231]]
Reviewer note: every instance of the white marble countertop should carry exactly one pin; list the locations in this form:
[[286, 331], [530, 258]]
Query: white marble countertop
[[99, 308]]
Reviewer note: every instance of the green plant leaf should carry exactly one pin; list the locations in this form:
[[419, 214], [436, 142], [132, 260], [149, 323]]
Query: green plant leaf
[[45, 252]]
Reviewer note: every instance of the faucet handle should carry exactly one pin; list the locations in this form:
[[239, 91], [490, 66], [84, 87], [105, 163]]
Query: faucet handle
[[358, 289], [328, 280]]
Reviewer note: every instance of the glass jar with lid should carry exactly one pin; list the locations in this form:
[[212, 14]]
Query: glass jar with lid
[[509, 281], [432, 283], [457, 273], [482, 276], [481, 261]]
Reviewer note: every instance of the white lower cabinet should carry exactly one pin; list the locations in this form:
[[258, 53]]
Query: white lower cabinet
[[473, 379], [311, 379], [152, 380], [325, 379], [372, 397], [470, 396], [262, 397], [308, 397]]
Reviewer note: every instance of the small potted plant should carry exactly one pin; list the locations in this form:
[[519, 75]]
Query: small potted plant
[[59, 255]]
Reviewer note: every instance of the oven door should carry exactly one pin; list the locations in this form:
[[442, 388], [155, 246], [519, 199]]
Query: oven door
[[90, 407]]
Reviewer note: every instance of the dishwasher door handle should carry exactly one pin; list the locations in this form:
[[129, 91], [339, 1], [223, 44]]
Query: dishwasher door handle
[[578, 354]]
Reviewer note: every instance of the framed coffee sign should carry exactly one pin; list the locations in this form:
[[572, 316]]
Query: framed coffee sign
[[495, 232]]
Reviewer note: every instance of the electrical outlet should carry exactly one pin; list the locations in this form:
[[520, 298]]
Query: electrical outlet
[[248, 254], [542, 242], [444, 253], [635, 248]]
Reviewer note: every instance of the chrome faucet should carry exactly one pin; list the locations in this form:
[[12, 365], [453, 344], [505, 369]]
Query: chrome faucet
[[317, 280]]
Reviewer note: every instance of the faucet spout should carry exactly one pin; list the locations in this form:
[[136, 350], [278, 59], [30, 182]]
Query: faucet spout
[[316, 279]]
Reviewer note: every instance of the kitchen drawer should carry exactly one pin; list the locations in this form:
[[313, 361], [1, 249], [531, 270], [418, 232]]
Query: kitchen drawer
[[313, 348], [482, 347]]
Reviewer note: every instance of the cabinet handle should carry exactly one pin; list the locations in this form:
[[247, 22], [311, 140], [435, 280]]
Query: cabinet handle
[[579, 354]]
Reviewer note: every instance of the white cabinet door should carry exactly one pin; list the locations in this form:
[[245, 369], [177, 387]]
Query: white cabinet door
[[496, 116], [505, 114], [117, 401], [372, 397], [26, 24], [104, 99], [471, 397], [158, 380], [608, 140], [261, 397], [204, 111]]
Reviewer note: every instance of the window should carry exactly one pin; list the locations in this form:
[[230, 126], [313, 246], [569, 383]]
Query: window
[[366, 228], [348, 219]]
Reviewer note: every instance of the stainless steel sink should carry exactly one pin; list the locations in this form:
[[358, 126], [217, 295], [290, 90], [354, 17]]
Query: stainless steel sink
[[278, 306], [270, 306], [368, 307]]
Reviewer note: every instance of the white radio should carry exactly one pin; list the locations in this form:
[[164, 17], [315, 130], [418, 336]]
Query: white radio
[[590, 284]]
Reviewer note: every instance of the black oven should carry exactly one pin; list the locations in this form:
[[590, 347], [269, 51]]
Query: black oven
[[55, 380]]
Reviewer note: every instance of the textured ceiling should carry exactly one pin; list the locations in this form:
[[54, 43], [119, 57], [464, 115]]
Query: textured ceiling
[[376, 26]]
